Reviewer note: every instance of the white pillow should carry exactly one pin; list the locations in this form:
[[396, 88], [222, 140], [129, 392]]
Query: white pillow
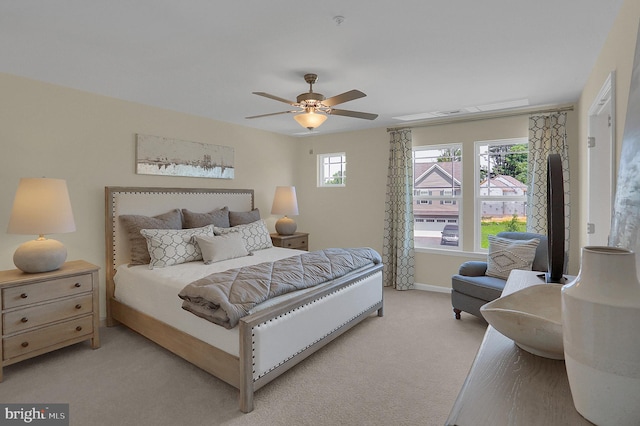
[[173, 246], [255, 235], [223, 247], [506, 254]]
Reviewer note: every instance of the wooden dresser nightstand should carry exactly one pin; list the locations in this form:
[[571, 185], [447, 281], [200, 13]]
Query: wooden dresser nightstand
[[299, 240], [48, 311]]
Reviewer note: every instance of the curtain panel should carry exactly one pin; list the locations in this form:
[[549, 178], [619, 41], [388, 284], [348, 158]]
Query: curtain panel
[[398, 250], [547, 135]]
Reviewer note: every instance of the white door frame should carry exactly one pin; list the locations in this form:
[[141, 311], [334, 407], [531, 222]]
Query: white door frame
[[601, 161]]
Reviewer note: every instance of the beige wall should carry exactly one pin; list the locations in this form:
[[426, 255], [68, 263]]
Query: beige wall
[[89, 140], [354, 215], [616, 55]]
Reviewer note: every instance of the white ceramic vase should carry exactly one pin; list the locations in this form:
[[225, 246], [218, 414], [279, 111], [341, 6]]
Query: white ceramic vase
[[601, 336]]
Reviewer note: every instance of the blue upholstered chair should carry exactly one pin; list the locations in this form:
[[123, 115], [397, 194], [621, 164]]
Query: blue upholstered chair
[[471, 288]]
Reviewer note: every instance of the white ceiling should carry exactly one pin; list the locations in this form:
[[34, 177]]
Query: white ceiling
[[205, 57]]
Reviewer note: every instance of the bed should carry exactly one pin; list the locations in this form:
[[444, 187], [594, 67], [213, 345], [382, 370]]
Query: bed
[[274, 337]]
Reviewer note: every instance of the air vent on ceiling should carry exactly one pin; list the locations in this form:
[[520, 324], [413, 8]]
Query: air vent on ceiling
[[462, 111]]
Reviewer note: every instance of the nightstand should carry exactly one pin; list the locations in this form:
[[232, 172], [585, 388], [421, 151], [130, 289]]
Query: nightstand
[[48, 311], [299, 240]]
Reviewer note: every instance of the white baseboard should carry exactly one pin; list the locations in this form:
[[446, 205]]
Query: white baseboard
[[430, 287]]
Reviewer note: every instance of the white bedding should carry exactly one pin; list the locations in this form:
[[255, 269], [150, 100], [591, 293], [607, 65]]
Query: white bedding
[[155, 293]]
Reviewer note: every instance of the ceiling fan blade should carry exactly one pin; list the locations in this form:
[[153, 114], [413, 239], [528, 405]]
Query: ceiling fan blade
[[275, 98], [343, 97], [354, 114], [273, 113]]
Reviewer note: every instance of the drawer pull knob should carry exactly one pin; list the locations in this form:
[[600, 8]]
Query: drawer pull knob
[[25, 344], [24, 295], [24, 319], [79, 328], [78, 306], [77, 285]]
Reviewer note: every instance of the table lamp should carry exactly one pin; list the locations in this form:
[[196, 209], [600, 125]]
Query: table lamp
[[285, 203], [41, 206]]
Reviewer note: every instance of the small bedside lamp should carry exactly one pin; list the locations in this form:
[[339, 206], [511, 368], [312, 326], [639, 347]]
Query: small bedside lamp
[[41, 206], [285, 203]]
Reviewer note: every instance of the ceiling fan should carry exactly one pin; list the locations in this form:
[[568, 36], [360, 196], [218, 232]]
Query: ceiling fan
[[315, 107]]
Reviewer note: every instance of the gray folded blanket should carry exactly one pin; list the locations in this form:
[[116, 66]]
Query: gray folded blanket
[[225, 297]]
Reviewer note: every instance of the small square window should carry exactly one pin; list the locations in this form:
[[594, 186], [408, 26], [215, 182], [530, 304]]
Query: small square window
[[332, 169]]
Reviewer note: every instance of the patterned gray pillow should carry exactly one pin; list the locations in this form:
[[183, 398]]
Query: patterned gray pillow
[[174, 246], [255, 235], [243, 218], [217, 217], [506, 254], [134, 223]]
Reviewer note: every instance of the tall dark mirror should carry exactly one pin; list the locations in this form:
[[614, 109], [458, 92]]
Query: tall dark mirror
[[555, 219]]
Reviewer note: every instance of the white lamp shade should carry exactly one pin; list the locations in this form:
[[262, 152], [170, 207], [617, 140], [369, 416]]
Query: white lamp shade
[[41, 206], [310, 120], [285, 201]]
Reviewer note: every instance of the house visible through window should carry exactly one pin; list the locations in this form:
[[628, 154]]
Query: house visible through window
[[501, 188], [437, 196], [499, 193], [332, 169]]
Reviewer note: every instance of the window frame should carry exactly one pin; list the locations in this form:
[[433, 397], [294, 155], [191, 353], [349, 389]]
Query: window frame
[[322, 179], [436, 197], [478, 198]]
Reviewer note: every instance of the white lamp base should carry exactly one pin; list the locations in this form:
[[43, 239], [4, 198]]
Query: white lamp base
[[41, 255], [286, 226]]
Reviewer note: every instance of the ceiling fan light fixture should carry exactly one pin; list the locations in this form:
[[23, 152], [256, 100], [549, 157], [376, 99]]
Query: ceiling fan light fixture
[[310, 119], [315, 107]]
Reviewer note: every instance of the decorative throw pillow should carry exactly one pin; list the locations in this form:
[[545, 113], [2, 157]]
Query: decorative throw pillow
[[217, 217], [243, 218], [255, 235], [174, 246], [223, 247], [506, 254], [134, 223]]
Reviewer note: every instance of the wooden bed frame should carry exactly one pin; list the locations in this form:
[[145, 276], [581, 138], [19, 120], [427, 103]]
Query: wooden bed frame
[[312, 307]]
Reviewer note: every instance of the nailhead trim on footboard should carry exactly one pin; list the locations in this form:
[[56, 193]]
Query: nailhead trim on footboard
[[278, 340]]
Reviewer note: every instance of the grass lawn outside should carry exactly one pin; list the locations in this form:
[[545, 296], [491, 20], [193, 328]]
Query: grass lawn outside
[[493, 228]]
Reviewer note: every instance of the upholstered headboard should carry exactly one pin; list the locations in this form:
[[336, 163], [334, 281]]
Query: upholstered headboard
[[155, 201]]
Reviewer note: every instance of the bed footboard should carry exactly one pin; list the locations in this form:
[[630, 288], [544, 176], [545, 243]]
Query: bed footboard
[[272, 342]]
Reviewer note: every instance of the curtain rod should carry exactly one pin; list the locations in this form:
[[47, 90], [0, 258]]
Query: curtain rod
[[486, 116]]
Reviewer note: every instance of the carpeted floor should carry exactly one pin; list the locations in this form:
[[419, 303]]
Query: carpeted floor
[[405, 368]]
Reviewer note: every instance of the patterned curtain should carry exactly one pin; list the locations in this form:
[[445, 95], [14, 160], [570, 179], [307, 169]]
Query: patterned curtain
[[547, 135], [397, 250]]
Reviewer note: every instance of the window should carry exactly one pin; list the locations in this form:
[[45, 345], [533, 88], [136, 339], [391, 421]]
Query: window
[[332, 169], [501, 188], [437, 196]]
